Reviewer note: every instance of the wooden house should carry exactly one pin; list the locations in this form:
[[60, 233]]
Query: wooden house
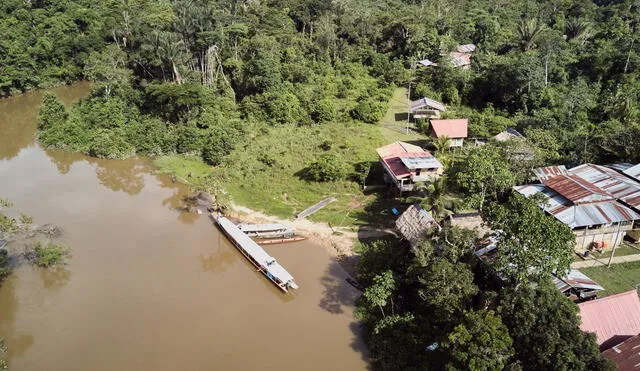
[[407, 164], [456, 130]]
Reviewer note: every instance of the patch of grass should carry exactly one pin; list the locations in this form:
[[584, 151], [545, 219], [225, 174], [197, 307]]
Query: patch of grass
[[394, 124], [187, 169], [617, 278]]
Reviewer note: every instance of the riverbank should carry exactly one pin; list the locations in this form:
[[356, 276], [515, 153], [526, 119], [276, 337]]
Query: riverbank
[[338, 242]]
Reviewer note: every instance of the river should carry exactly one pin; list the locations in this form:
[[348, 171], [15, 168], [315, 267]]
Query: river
[[148, 287]]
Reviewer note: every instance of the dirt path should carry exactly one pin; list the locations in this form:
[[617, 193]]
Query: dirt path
[[338, 242], [605, 261]]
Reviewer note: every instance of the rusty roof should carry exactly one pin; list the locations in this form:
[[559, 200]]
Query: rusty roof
[[576, 189], [544, 173], [608, 180], [626, 355], [613, 318], [579, 215], [575, 279]]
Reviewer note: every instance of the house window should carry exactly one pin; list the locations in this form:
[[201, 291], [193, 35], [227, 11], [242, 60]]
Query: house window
[[418, 172]]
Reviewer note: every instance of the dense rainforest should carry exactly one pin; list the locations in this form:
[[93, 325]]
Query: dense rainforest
[[211, 78]]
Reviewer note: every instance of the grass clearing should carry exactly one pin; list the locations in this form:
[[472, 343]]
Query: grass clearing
[[188, 169], [268, 174], [394, 124], [617, 278]]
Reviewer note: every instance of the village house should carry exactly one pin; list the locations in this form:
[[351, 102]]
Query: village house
[[596, 202], [456, 130], [426, 108], [613, 319], [633, 172], [414, 223], [406, 164], [460, 58]]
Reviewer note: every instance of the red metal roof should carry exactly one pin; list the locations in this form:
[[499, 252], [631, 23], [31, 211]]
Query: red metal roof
[[613, 318], [456, 128], [626, 355], [393, 154], [547, 172]]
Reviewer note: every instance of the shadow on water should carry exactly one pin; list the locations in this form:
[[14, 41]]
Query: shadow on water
[[337, 292], [16, 341], [337, 295]]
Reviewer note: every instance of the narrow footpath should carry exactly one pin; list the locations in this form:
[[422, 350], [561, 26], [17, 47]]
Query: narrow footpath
[[600, 262]]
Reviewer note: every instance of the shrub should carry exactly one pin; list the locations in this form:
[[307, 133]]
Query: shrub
[[52, 112], [369, 111], [49, 254], [328, 167], [324, 111], [110, 144]]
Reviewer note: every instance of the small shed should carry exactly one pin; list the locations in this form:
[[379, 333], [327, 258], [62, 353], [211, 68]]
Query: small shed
[[509, 134], [456, 130], [414, 223], [577, 286]]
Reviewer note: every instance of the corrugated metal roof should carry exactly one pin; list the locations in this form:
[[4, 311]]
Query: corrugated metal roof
[[610, 181], [579, 215], [576, 189], [467, 48], [611, 317], [427, 63], [544, 173], [626, 355], [423, 162], [621, 167], [456, 128], [575, 279], [633, 172], [460, 59], [427, 102], [393, 154]]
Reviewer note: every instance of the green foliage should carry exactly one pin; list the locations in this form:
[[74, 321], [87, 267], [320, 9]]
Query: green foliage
[[544, 327], [4, 365], [107, 70], [328, 167], [532, 244], [52, 112], [369, 111], [480, 342], [483, 173], [48, 254]]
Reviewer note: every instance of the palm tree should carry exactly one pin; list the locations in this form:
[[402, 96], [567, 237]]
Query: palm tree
[[439, 200], [442, 144], [530, 31]]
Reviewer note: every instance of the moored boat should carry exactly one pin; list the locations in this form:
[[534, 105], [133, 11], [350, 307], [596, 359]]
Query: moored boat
[[256, 255], [267, 230]]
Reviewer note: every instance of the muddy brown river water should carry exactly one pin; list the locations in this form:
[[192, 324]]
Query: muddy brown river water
[[148, 287]]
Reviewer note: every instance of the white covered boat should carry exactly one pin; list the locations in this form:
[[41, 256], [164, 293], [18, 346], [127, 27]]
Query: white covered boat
[[257, 256]]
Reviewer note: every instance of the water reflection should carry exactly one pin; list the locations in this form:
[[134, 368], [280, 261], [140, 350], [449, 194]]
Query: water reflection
[[19, 116], [55, 277], [17, 342], [219, 261]]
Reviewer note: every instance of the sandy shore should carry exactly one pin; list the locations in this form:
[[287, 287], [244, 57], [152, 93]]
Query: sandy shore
[[338, 242]]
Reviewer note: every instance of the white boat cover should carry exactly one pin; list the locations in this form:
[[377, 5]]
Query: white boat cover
[[255, 251]]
